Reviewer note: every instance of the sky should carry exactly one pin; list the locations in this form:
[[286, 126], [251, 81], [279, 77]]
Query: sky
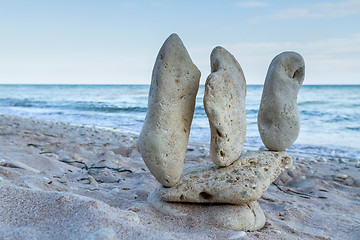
[[116, 42]]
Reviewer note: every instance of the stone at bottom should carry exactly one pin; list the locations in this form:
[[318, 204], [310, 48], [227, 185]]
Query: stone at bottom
[[244, 217]]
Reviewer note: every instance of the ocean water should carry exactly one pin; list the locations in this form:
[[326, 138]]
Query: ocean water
[[330, 115]]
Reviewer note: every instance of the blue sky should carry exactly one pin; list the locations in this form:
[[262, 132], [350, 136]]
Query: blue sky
[[116, 42]]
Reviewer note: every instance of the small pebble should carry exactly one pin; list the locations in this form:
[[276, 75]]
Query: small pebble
[[115, 190], [276, 231], [65, 159], [313, 161], [93, 181], [342, 161], [237, 235], [76, 157], [62, 181], [136, 209], [1, 179], [93, 171], [109, 154], [341, 176], [324, 159], [348, 182], [302, 177]]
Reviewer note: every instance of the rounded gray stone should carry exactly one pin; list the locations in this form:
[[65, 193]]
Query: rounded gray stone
[[224, 103], [244, 217], [278, 118], [171, 104]]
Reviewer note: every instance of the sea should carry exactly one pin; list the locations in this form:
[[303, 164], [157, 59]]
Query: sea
[[330, 115]]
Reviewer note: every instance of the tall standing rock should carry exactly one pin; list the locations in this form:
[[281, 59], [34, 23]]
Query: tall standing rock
[[164, 137], [278, 118], [224, 102]]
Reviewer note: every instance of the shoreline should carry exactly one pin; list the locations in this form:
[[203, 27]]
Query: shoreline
[[97, 176], [205, 144], [328, 116]]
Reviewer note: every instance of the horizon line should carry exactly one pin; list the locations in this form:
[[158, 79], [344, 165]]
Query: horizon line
[[121, 84]]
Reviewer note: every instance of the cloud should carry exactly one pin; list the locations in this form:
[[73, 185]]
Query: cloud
[[295, 13], [328, 61], [248, 4], [320, 10]]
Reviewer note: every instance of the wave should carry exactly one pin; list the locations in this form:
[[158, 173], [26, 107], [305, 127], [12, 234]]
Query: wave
[[329, 151], [252, 111], [9, 102], [315, 102], [353, 128], [88, 106], [78, 105], [314, 113]]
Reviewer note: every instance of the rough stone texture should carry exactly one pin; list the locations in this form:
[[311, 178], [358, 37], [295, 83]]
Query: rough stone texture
[[165, 133], [278, 118], [245, 217], [242, 182], [224, 102]]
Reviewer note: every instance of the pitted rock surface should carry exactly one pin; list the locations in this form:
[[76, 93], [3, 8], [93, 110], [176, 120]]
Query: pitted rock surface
[[242, 182], [164, 137], [224, 103]]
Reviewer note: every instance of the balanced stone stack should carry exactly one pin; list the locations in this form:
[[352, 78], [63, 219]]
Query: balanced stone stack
[[234, 180]]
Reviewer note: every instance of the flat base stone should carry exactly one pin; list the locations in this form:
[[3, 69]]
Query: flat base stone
[[245, 217], [242, 182]]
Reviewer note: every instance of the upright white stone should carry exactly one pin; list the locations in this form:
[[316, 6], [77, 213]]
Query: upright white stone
[[164, 137], [278, 118], [224, 103]]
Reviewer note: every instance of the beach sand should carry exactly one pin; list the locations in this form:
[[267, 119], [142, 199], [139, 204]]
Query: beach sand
[[64, 181]]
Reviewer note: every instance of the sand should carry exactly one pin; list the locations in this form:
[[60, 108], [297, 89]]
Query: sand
[[64, 181]]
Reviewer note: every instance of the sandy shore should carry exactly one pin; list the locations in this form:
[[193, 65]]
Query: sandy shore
[[62, 181]]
